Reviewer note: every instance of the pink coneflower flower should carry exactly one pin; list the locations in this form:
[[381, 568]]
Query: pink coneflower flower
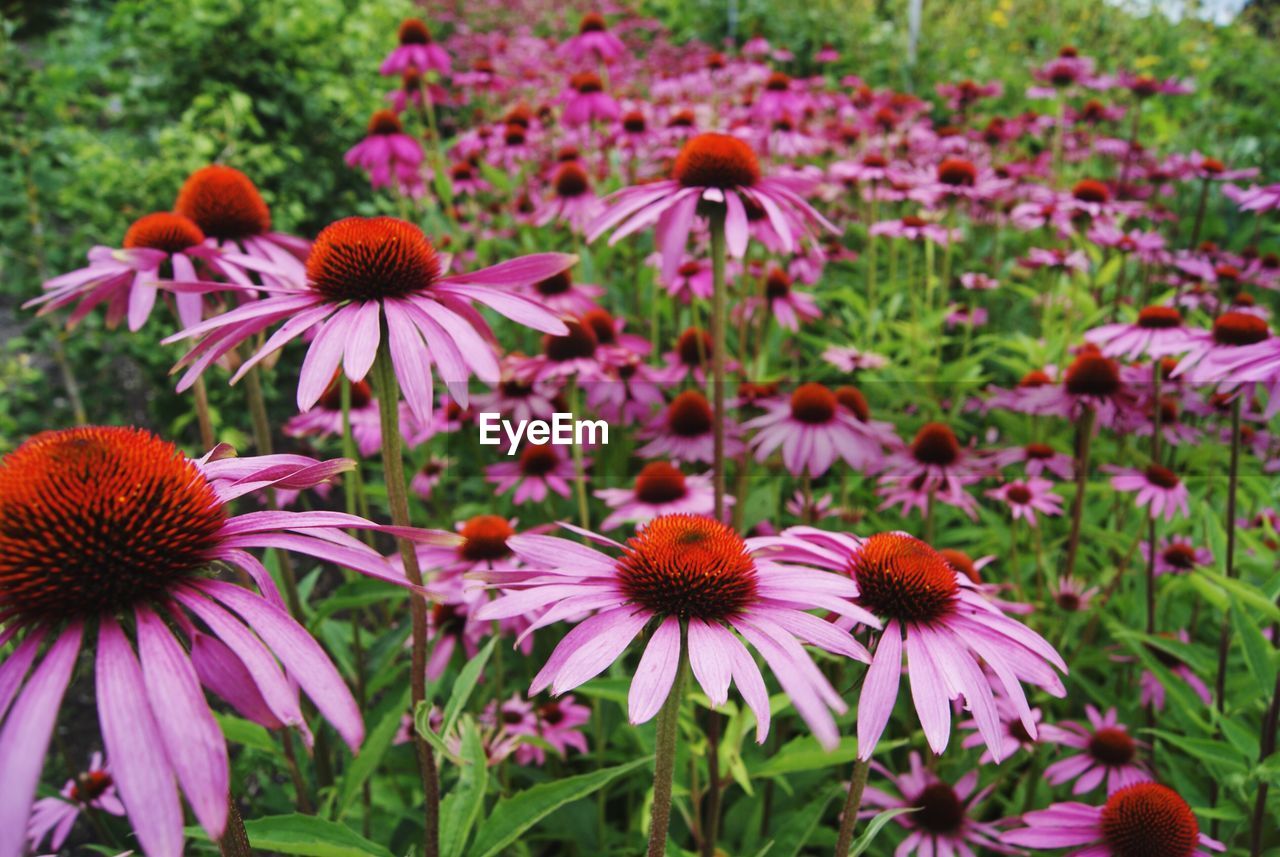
[[1239, 349], [850, 359], [947, 626], [1025, 498], [560, 293], [593, 43], [913, 228], [685, 571], [1152, 689], [934, 466], [1091, 382], [1036, 458], [963, 95], [813, 431], [559, 723], [1145, 818], [684, 431], [1157, 488], [632, 393], [1055, 259], [325, 420], [959, 315], [978, 282], [786, 305], [1256, 198], [235, 219], [158, 255], [586, 102], [1144, 86], [517, 398], [944, 820], [53, 817], [718, 169], [466, 180], [481, 545], [692, 279], [780, 98], [1066, 69], [660, 489], [537, 470], [1157, 332], [1016, 735], [111, 524], [416, 50], [691, 358], [1109, 753], [391, 157], [428, 477], [577, 354], [1071, 596], [366, 273], [571, 200], [1176, 555]]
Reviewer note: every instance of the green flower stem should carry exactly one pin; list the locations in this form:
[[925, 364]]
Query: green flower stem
[[718, 348], [1084, 436], [665, 761], [387, 390], [235, 840], [579, 465], [200, 393], [1233, 481], [852, 803]]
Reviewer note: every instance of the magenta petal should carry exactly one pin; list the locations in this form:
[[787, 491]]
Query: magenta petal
[[14, 668], [25, 738], [879, 690], [521, 271], [711, 667], [323, 357], [928, 691], [362, 340], [194, 743], [134, 746], [222, 672], [411, 360], [655, 673], [301, 655]]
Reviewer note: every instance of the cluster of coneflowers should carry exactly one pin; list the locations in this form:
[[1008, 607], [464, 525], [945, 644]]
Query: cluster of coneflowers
[[717, 199]]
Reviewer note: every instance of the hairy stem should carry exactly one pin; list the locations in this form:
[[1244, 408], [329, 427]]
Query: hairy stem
[[664, 768], [1084, 436], [718, 347], [387, 390], [852, 803]]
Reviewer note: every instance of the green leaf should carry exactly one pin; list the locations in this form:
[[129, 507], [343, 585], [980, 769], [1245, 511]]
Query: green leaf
[[806, 754], [1249, 595], [514, 815], [794, 834], [466, 683], [371, 752], [1212, 753], [1257, 651], [309, 835], [863, 842], [462, 807], [245, 732]]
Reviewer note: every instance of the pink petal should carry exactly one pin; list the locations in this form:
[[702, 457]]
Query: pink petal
[[655, 673], [140, 766]]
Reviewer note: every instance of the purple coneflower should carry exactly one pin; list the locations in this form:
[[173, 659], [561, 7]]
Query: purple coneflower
[[538, 470], [593, 42], [948, 627], [367, 274], [1157, 487], [660, 489], [53, 817], [813, 430], [1108, 753], [703, 586], [1025, 498], [685, 431], [1145, 818], [391, 157], [415, 51], [718, 169], [114, 528], [159, 254], [944, 821]]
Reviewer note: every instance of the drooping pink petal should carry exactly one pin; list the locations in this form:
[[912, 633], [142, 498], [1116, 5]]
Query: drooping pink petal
[[192, 740], [140, 765], [24, 740], [656, 672], [879, 690]]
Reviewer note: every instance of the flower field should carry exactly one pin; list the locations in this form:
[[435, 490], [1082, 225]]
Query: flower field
[[473, 429]]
